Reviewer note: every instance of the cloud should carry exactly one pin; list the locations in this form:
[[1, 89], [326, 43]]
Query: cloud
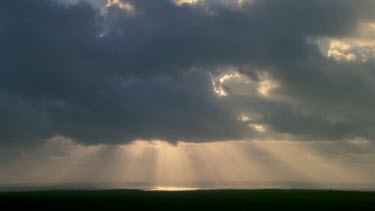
[[99, 73]]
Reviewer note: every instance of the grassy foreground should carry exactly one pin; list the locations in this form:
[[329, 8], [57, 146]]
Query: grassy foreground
[[190, 200]]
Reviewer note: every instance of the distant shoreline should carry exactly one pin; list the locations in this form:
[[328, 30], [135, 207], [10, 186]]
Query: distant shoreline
[[270, 199], [188, 186]]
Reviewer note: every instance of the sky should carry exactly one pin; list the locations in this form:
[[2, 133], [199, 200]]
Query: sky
[[188, 93]]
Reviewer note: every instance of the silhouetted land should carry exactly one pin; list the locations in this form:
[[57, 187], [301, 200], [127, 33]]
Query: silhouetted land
[[189, 200]]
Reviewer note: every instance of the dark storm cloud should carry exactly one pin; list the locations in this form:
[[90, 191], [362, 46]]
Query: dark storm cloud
[[112, 76]]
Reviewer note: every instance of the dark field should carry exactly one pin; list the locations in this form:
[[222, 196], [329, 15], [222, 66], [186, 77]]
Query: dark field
[[190, 200]]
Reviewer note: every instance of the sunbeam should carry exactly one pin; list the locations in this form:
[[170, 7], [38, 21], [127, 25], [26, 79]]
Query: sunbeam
[[158, 165]]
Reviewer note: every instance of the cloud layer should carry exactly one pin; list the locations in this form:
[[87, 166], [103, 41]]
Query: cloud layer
[[117, 71]]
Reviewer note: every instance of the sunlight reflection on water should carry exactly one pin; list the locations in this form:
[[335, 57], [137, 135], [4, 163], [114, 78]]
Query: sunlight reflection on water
[[171, 188]]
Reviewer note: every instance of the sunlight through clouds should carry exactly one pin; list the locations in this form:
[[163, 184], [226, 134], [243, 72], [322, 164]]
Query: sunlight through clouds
[[181, 2], [266, 84], [218, 84], [211, 165], [357, 47], [235, 83], [123, 4], [185, 94], [259, 127]]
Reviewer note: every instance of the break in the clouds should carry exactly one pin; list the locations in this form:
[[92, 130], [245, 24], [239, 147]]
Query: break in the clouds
[[116, 71]]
